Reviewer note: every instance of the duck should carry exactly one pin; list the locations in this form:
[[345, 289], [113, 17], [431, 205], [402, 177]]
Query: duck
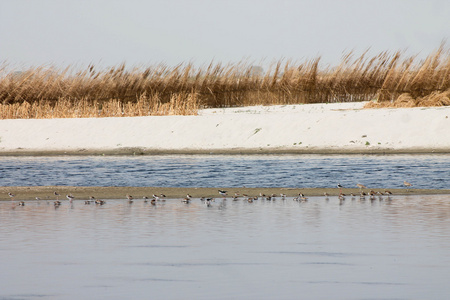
[[100, 202]]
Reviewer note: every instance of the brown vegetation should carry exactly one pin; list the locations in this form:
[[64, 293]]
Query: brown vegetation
[[52, 93]]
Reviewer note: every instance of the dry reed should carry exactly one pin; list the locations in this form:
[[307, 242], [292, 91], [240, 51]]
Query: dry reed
[[160, 90]]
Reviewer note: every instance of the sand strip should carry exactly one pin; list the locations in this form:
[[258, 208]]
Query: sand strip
[[82, 193]]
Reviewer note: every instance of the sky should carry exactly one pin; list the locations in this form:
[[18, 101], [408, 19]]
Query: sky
[[143, 33]]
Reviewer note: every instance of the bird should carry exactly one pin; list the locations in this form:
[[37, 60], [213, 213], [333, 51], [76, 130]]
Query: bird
[[186, 200], [361, 186], [70, 197], [362, 195], [21, 203], [130, 198], [223, 193], [145, 199], [100, 202], [11, 195], [407, 184], [340, 188], [57, 195]]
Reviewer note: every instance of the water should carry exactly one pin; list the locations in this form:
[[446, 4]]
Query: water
[[388, 249], [376, 171]]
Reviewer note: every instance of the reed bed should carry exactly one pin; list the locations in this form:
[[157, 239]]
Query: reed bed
[[388, 78]]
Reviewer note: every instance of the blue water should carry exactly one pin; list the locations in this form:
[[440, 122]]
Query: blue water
[[376, 171]]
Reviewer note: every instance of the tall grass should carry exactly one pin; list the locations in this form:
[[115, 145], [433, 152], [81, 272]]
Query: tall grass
[[48, 92]]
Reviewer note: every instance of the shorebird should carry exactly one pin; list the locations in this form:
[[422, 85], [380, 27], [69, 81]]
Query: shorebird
[[145, 199], [57, 195], [130, 198], [388, 193], [11, 195], [283, 196], [340, 188], [361, 186], [407, 184], [57, 203], [21, 203], [223, 193], [362, 196], [70, 197]]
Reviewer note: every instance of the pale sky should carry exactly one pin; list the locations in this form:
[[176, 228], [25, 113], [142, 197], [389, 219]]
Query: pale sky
[[109, 32]]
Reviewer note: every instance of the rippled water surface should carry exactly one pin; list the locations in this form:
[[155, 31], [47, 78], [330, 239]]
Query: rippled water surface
[[376, 171], [394, 248]]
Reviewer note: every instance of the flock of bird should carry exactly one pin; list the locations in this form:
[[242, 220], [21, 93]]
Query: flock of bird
[[224, 194]]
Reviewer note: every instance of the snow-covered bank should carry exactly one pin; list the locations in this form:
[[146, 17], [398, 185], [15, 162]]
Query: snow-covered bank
[[320, 128]]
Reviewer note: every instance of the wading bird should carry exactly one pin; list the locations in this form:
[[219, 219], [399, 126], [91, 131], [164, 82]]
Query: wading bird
[[361, 186], [407, 184], [130, 198], [70, 197]]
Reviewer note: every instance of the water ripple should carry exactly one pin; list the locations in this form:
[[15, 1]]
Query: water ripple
[[303, 171]]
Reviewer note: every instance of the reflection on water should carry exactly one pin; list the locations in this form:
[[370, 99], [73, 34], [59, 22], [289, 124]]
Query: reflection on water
[[376, 171], [388, 249]]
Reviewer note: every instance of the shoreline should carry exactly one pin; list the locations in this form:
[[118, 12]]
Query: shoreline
[[232, 151], [83, 193]]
